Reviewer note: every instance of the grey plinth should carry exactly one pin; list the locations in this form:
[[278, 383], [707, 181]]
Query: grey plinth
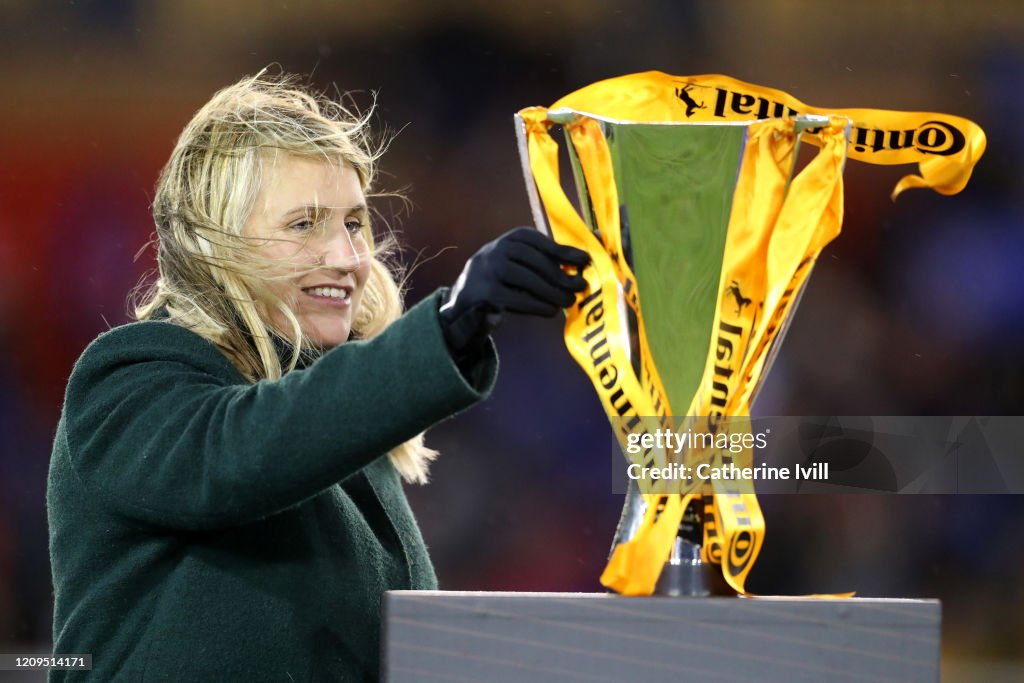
[[498, 637]]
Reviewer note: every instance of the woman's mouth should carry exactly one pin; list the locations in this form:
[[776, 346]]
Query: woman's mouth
[[335, 296]]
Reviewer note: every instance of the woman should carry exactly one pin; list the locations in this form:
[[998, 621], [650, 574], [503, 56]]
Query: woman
[[224, 496]]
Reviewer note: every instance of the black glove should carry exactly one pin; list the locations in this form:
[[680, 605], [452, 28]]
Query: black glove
[[520, 272]]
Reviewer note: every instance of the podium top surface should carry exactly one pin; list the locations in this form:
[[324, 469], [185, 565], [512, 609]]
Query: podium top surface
[[531, 595], [511, 636]]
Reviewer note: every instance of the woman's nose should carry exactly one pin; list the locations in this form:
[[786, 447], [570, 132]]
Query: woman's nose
[[342, 251]]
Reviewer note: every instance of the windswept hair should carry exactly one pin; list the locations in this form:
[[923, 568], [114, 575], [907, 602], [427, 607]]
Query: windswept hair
[[210, 278]]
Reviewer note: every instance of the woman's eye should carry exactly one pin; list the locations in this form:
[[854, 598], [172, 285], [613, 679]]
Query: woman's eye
[[353, 225], [303, 225]]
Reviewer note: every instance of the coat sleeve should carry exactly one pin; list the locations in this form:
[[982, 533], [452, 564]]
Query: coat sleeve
[[159, 427]]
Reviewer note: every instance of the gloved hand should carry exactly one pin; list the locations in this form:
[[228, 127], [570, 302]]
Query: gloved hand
[[520, 272]]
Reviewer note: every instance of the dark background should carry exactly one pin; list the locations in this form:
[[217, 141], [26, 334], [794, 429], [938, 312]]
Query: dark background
[[916, 309]]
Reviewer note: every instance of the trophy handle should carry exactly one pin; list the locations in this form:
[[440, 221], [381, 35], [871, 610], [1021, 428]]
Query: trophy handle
[[540, 219], [633, 510]]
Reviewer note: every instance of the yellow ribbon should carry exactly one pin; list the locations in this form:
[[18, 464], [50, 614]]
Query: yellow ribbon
[[945, 147]]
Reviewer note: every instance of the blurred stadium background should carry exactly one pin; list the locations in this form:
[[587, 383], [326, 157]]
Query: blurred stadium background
[[917, 309]]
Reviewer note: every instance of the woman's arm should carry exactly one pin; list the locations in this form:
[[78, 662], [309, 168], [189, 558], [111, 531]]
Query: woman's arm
[[157, 425]]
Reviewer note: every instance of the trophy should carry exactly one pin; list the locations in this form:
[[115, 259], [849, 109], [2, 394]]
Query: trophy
[[702, 229]]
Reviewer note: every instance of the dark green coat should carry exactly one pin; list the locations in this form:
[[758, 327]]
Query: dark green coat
[[206, 529]]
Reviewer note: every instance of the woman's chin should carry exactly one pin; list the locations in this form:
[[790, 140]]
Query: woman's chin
[[326, 331], [328, 339]]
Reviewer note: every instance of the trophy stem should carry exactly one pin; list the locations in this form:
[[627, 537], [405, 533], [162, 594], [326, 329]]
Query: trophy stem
[[685, 574]]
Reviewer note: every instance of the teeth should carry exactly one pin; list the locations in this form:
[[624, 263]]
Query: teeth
[[332, 292]]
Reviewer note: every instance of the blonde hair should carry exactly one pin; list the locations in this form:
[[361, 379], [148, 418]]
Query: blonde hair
[[210, 280]]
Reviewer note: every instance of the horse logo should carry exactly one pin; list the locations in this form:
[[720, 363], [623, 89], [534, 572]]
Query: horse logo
[[741, 301], [692, 105]]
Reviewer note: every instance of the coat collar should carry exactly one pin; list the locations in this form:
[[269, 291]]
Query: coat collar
[[282, 347]]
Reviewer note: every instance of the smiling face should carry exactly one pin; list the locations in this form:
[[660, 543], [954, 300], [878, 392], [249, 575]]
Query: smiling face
[[310, 219]]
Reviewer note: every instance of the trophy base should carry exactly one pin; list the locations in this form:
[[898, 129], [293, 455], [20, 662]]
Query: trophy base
[[686, 576]]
